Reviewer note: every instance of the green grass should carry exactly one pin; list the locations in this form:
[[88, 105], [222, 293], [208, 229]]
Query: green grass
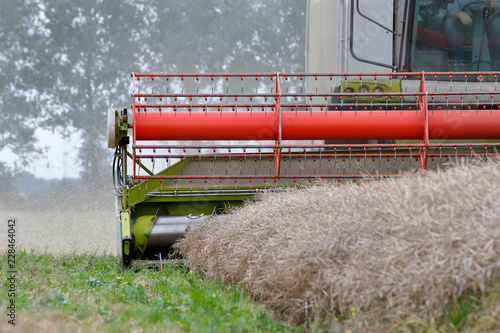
[[93, 294], [84, 293], [474, 311]]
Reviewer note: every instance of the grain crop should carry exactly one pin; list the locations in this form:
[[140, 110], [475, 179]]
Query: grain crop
[[388, 248]]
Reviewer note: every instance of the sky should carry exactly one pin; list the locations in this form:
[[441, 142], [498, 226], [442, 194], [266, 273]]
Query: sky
[[58, 160]]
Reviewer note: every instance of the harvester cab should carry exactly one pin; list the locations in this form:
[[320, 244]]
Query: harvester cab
[[382, 98]]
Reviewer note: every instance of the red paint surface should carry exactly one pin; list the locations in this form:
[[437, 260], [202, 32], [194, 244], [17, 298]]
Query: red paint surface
[[396, 125]]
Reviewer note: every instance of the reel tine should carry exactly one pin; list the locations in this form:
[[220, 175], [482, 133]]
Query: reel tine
[[305, 97]]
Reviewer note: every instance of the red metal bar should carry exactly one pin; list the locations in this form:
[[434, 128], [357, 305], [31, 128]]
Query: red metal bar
[[464, 124], [202, 75], [277, 148], [381, 125], [318, 146], [134, 134], [425, 140], [201, 111], [270, 177], [211, 125]]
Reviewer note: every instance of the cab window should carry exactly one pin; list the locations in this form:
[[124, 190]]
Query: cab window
[[455, 35]]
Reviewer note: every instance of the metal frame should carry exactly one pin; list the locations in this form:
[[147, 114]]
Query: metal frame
[[307, 114], [421, 120]]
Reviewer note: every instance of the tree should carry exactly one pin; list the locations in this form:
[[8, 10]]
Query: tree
[[73, 59], [227, 36], [19, 101], [91, 44]]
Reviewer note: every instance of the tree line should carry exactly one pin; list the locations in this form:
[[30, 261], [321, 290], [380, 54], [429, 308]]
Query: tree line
[[64, 63]]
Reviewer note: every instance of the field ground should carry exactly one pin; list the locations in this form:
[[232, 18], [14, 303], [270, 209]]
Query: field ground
[[410, 255], [61, 230], [68, 280], [84, 293]]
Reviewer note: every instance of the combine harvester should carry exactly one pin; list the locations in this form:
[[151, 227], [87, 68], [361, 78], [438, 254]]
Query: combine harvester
[[384, 98]]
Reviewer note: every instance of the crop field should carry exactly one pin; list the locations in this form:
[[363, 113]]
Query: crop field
[[418, 254], [62, 230], [409, 254]]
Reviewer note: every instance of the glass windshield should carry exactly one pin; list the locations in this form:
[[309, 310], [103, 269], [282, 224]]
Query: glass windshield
[[455, 35]]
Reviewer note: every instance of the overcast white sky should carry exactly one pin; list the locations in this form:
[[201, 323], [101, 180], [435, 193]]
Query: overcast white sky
[[58, 161]]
